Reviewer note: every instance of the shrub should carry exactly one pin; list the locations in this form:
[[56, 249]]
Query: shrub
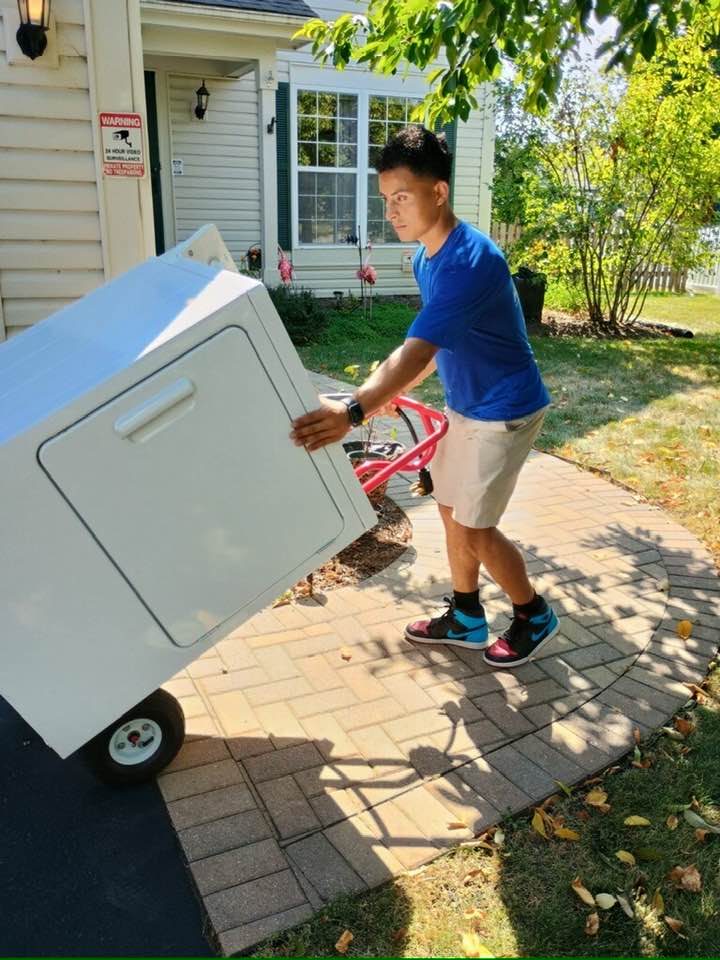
[[304, 317]]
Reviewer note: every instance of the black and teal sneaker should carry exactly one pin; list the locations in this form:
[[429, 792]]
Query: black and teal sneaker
[[523, 638], [454, 627]]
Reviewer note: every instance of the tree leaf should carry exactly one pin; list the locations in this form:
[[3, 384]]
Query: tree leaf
[[685, 726], [499, 837], [672, 822], [635, 821], [626, 857], [675, 926], [695, 820], [538, 824], [596, 798], [582, 892], [592, 924], [564, 787], [658, 904], [606, 901], [470, 876], [625, 905], [564, 833], [344, 942], [701, 834], [473, 946], [686, 878], [684, 629]]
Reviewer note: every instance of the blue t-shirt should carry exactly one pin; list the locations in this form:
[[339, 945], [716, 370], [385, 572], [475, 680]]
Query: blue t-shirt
[[472, 312]]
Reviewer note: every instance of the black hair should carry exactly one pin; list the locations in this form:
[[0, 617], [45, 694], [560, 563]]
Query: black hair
[[423, 152]]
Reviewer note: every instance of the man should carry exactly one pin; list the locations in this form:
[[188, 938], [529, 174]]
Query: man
[[471, 329]]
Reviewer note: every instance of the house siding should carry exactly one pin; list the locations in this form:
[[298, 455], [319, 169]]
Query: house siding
[[50, 239], [221, 160]]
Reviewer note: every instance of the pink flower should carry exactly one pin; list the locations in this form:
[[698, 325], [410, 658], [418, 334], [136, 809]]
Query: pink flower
[[285, 267], [368, 273]]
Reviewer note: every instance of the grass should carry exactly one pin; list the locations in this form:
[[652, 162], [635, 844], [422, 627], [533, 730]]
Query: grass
[[645, 412], [518, 899]]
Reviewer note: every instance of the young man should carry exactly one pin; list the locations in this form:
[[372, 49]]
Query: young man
[[470, 329]]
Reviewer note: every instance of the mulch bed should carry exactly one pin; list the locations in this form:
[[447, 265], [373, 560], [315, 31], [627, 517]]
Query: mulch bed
[[368, 555], [558, 324]]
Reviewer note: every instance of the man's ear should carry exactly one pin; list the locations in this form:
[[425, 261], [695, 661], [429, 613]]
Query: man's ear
[[442, 192]]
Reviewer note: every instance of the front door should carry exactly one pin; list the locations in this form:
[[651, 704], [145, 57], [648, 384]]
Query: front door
[[155, 180]]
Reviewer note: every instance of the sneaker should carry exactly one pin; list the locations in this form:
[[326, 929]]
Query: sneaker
[[523, 638], [454, 627]]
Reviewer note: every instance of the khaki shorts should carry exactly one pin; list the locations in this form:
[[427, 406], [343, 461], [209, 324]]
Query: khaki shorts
[[477, 464]]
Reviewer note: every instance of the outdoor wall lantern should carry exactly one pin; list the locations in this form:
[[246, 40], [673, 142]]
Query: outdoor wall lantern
[[203, 95], [34, 22]]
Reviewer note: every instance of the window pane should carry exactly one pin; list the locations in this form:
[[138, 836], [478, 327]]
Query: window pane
[[307, 128], [327, 155], [344, 229], [326, 184], [347, 156], [307, 231], [375, 208], [346, 184], [327, 131], [396, 108], [307, 154], [375, 231], [325, 231], [377, 133], [327, 104], [306, 183], [374, 156], [306, 208], [348, 105], [326, 208], [346, 208], [377, 108], [348, 131], [307, 101], [394, 129]]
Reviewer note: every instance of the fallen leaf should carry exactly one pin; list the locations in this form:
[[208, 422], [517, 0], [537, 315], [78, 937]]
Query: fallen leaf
[[346, 653], [457, 825], [625, 905], [582, 815], [344, 942], [596, 798], [686, 878], [564, 787], [636, 734], [635, 821], [697, 692], [648, 853], [695, 820], [473, 946], [592, 924], [626, 857], [672, 822], [549, 801], [582, 892], [499, 837], [470, 876], [641, 764], [564, 833], [604, 807], [606, 901], [478, 843], [686, 727], [675, 926], [658, 904], [538, 824], [474, 914], [684, 629]]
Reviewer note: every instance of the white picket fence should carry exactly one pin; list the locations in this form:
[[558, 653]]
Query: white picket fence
[[707, 280]]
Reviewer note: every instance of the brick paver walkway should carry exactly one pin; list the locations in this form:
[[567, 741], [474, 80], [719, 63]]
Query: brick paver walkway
[[307, 774]]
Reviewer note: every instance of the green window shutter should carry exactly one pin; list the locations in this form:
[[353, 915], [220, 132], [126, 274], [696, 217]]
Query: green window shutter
[[282, 135], [450, 131]]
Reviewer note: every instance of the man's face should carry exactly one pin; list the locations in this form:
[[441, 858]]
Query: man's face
[[413, 204]]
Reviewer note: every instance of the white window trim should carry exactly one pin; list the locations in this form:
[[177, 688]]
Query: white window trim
[[363, 151]]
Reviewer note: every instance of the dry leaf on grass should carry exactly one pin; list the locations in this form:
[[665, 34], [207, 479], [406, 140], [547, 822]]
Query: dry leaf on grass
[[606, 901], [470, 876], [583, 892], [474, 914], [695, 820], [684, 629], [684, 726], [473, 946], [701, 834], [658, 904], [626, 857], [596, 798], [635, 821], [697, 692], [625, 905], [344, 942], [686, 878], [675, 926], [564, 787], [457, 825], [592, 924], [538, 824], [346, 653], [564, 833], [672, 822]]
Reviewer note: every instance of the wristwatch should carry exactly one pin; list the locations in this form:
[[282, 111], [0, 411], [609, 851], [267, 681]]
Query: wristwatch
[[355, 412]]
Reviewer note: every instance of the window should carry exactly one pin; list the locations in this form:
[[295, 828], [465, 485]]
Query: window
[[338, 139], [327, 158]]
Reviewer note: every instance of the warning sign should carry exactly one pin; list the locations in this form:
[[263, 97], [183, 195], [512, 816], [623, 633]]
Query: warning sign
[[122, 144]]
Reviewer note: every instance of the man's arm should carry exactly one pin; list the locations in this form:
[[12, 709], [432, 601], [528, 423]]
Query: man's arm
[[405, 367]]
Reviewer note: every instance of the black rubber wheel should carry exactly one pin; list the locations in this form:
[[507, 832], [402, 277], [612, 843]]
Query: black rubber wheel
[[141, 743]]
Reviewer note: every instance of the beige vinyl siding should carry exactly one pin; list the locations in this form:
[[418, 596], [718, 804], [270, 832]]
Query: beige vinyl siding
[[221, 160], [50, 248], [474, 152]]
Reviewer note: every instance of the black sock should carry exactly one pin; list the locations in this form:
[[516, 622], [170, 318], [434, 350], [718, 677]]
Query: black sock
[[467, 602], [528, 609]]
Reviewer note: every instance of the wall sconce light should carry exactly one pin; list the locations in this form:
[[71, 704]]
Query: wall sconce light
[[271, 126], [203, 95], [31, 35]]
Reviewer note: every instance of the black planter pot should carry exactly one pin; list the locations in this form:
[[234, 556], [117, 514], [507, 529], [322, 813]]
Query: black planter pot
[[531, 291]]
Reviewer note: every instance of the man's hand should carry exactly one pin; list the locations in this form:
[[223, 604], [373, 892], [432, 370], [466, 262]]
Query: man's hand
[[328, 424]]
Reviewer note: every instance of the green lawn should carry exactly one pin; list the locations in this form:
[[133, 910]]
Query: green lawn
[[646, 412]]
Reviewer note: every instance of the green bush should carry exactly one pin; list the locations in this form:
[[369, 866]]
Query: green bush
[[304, 317], [560, 295]]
